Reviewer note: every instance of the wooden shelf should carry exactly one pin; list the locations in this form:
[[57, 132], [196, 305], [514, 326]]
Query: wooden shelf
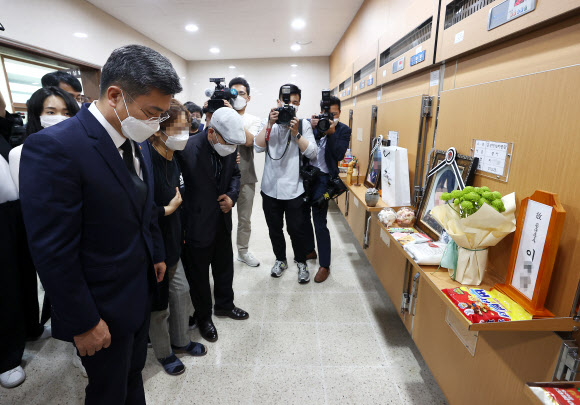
[[359, 193], [438, 279]]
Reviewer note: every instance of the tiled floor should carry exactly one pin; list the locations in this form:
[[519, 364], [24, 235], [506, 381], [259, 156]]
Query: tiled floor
[[339, 342]]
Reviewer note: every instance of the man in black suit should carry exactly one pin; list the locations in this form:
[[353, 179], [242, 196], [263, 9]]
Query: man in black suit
[[332, 146], [211, 188], [87, 197]]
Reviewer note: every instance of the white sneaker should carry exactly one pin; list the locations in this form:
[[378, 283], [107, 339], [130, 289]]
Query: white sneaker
[[78, 363], [46, 333], [12, 378], [249, 259]]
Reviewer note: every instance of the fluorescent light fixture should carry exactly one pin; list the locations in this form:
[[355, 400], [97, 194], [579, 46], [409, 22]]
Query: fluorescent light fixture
[[80, 35], [191, 27], [214, 50], [232, 67], [298, 24], [294, 65], [295, 47]]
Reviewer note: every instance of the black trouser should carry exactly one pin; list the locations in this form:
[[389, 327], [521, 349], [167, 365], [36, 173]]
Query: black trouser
[[275, 210], [319, 214], [221, 258], [115, 373], [19, 312]]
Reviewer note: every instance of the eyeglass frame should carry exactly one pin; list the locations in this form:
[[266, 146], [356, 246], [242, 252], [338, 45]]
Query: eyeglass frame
[[164, 116]]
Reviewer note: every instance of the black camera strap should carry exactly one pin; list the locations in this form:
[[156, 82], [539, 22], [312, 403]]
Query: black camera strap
[[287, 143]]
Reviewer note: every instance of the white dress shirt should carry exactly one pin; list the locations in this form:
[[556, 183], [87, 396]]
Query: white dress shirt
[[281, 179], [14, 162], [117, 138], [8, 191], [320, 160]]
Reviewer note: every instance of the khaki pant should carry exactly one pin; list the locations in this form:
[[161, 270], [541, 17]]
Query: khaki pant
[[245, 204]]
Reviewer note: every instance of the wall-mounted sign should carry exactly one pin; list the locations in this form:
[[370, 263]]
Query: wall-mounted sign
[[385, 73], [538, 230], [348, 92], [399, 65], [343, 93], [394, 138], [494, 158], [509, 10], [418, 58], [459, 36], [370, 81], [362, 85], [434, 79]]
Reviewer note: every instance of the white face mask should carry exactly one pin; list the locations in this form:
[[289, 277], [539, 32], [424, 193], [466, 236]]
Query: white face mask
[[295, 108], [223, 150], [239, 103], [80, 104], [50, 120], [336, 121], [136, 129], [177, 142]]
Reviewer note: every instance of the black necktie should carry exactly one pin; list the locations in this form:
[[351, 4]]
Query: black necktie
[[128, 157]]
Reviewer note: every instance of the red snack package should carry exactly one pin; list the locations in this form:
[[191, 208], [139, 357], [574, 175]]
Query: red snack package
[[471, 307], [564, 396]]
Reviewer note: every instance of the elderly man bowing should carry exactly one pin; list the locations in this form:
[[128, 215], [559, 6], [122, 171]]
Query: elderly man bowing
[[212, 185]]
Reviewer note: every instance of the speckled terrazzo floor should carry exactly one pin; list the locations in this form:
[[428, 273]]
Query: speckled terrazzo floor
[[339, 342]]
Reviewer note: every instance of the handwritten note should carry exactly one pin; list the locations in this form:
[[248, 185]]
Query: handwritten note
[[492, 156], [359, 134], [531, 247], [394, 138]]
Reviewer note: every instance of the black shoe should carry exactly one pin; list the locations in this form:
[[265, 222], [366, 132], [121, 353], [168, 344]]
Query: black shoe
[[208, 331], [235, 313], [192, 322]]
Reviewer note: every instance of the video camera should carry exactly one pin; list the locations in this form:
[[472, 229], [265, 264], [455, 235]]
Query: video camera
[[335, 188], [287, 112], [220, 94], [326, 117]]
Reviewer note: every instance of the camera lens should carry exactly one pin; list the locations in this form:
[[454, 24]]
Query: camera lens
[[284, 117], [323, 125]]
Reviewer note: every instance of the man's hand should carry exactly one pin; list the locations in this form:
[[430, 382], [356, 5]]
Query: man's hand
[[160, 271], [226, 203], [174, 203], [227, 104], [332, 128], [238, 158], [273, 116], [93, 340], [294, 126], [314, 121]]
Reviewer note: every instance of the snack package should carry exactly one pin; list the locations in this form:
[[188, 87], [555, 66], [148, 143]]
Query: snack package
[[557, 396], [480, 306], [405, 217]]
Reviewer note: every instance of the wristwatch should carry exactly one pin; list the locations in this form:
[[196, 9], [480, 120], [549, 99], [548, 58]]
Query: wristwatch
[[298, 136]]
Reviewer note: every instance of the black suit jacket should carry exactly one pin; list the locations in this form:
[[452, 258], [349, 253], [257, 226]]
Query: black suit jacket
[[336, 146], [201, 190], [92, 246]]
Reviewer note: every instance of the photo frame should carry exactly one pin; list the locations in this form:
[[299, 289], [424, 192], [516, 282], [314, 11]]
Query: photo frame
[[373, 174], [442, 181]]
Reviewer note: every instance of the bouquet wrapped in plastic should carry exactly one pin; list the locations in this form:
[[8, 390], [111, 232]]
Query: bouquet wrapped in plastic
[[475, 218]]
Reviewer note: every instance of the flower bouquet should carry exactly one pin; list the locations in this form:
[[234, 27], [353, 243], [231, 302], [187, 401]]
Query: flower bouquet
[[475, 218]]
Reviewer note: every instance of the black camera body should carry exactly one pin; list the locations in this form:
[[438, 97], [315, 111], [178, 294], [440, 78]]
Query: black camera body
[[220, 94], [335, 188], [326, 117], [309, 174], [287, 112]]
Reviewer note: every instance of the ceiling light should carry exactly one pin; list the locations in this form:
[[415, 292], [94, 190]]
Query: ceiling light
[[294, 65], [295, 47], [298, 24], [214, 50], [35, 83], [191, 27], [241, 75], [293, 75], [80, 35], [232, 67]]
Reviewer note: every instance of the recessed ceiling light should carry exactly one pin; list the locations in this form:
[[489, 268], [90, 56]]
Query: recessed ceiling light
[[183, 77], [80, 35], [298, 24], [35, 83], [293, 75], [241, 75], [295, 47], [214, 50], [232, 67], [191, 27], [294, 65]]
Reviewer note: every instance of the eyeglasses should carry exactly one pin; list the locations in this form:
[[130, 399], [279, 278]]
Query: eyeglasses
[[162, 117]]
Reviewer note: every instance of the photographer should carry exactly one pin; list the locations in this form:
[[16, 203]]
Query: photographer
[[252, 126], [283, 139], [196, 115], [332, 146], [65, 81]]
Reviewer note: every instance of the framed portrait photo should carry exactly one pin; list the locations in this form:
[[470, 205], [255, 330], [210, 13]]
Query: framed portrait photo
[[373, 175], [443, 181]]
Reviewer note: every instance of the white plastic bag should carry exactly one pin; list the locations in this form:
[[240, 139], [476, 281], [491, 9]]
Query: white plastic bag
[[395, 176]]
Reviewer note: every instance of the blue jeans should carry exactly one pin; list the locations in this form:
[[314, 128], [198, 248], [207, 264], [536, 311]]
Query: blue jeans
[[318, 215]]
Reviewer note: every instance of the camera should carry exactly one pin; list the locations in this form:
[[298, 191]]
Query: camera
[[309, 174], [287, 112], [326, 117], [220, 94], [335, 188]]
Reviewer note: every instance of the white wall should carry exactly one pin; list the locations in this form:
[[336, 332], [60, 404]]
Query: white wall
[[265, 77], [50, 24]]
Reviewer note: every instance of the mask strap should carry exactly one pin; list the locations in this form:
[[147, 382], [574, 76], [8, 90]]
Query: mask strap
[[124, 102]]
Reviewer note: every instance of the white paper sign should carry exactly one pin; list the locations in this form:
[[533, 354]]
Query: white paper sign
[[359, 134], [531, 247], [356, 87], [394, 138], [354, 102], [419, 50], [434, 80], [459, 36], [379, 93], [356, 202], [492, 156], [385, 73], [385, 238]]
